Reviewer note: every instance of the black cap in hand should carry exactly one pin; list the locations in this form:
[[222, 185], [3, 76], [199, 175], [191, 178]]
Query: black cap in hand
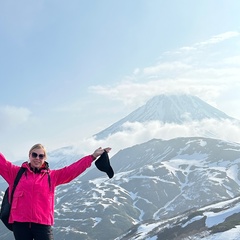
[[103, 164]]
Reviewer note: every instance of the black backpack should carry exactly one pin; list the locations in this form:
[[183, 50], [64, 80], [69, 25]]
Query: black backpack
[[6, 204]]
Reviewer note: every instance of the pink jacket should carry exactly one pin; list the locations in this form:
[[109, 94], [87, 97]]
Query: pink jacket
[[33, 199]]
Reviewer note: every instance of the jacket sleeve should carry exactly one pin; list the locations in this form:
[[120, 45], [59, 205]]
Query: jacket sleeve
[[67, 174], [7, 170]]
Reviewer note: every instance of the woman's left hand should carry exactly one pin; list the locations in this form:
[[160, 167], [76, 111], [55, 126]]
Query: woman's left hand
[[98, 152]]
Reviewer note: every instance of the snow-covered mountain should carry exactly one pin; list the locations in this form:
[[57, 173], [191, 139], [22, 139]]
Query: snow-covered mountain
[[176, 109], [160, 186], [154, 181]]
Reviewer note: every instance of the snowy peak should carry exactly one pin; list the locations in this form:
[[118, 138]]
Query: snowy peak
[[176, 109], [179, 109]]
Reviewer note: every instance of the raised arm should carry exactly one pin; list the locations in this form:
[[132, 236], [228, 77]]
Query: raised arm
[[68, 173], [7, 170]]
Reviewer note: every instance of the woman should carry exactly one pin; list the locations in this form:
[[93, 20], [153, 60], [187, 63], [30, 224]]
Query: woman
[[32, 212]]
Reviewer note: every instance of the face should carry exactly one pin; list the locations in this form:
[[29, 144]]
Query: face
[[37, 157]]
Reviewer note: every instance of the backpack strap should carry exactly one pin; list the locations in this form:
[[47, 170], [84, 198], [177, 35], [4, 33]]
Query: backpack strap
[[19, 175]]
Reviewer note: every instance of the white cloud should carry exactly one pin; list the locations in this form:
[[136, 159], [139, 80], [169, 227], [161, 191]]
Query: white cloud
[[136, 94], [233, 61], [136, 71], [207, 73], [167, 66], [219, 38], [137, 133], [12, 116]]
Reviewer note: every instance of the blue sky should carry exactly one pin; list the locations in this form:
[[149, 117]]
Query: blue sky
[[69, 69]]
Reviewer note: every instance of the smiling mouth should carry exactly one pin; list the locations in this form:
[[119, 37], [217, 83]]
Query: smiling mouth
[[38, 162]]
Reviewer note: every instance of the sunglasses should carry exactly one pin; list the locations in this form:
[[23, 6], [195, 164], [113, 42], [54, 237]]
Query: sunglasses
[[35, 155]]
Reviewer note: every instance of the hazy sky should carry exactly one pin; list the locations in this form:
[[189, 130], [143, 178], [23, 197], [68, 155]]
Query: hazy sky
[[69, 69]]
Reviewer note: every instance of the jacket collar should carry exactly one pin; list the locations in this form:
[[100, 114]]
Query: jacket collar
[[44, 167]]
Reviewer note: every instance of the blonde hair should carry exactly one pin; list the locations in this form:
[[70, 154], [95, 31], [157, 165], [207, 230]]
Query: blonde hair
[[38, 146]]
